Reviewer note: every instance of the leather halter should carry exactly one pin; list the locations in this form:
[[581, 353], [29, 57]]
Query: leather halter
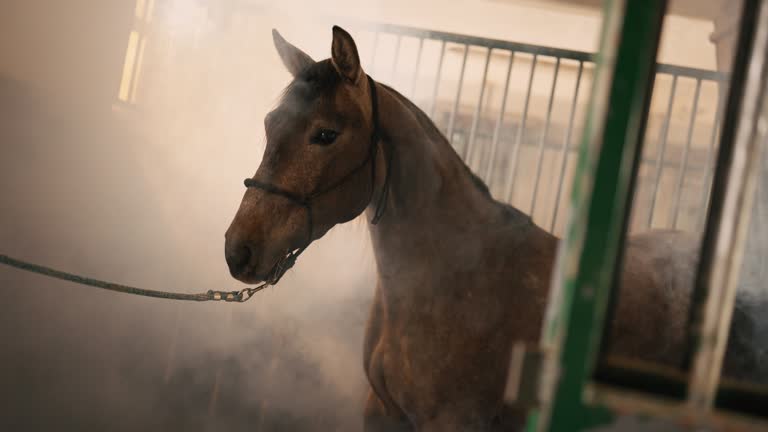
[[305, 201]]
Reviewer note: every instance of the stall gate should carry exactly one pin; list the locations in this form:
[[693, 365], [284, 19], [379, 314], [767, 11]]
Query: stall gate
[[514, 113]]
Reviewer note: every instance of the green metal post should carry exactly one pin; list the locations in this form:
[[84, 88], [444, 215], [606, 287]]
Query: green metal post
[[610, 151]]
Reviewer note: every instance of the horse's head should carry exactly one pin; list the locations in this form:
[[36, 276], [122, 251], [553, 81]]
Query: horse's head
[[318, 164]]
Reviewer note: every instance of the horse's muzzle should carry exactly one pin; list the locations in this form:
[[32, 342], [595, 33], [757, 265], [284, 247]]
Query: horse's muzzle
[[238, 256]]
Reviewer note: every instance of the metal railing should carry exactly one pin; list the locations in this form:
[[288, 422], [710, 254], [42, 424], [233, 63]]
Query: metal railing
[[522, 142]]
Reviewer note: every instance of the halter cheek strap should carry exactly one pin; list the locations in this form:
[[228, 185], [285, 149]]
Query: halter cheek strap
[[305, 201]]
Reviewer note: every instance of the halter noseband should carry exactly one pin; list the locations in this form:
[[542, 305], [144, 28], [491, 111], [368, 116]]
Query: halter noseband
[[305, 201]]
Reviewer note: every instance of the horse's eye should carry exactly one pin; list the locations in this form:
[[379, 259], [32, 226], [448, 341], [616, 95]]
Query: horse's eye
[[324, 137]]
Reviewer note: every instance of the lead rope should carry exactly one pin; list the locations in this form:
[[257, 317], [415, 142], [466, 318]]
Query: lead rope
[[228, 296]]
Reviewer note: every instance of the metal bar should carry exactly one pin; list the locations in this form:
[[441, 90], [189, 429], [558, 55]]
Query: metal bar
[[482, 149], [660, 153], [499, 122], [471, 40], [452, 120], [644, 405], [708, 165], [492, 43], [525, 48], [415, 77], [702, 74], [684, 158], [150, 11], [646, 160], [138, 69], [437, 81], [587, 260], [543, 139], [744, 132], [467, 151], [520, 132], [394, 60], [565, 147]]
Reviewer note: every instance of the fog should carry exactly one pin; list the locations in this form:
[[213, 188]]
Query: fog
[[142, 193], [136, 179]]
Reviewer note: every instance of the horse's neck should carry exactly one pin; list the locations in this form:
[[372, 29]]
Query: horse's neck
[[433, 197]]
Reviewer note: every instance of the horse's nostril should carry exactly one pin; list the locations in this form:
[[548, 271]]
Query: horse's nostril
[[238, 258]]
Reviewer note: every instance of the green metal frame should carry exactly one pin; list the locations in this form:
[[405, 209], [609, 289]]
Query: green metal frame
[[572, 394], [611, 148]]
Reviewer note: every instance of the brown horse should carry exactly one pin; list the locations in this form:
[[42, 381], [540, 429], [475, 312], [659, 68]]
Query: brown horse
[[461, 277]]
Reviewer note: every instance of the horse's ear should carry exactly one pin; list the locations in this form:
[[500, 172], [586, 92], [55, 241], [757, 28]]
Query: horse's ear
[[294, 59], [344, 55]]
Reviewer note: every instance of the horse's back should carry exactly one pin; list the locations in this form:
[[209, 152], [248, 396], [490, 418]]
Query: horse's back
[[654, 296]]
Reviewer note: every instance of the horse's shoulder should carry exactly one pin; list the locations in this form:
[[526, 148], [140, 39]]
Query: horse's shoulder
[[656, 280]]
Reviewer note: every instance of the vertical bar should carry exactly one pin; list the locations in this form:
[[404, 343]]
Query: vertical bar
[[139, 10], [520, 132], [543, 139], [394, 60], [415, 77], [150, 11], [661, 152], [590, 254], [482, 148], [138, 69], [684, 158], [467, 153], [437, 80], [481, 152], [499, 122], [452, 120], [744, 132], [708, 165], [128, 67], [565, 149]]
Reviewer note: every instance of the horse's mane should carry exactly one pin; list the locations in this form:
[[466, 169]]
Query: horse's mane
[[514, 214], [427, 123]]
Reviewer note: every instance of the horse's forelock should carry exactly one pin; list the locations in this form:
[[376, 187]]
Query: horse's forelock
[[318, 80]]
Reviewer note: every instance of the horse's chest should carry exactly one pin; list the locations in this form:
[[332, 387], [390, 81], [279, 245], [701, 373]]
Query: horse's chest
[[430, 353]]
